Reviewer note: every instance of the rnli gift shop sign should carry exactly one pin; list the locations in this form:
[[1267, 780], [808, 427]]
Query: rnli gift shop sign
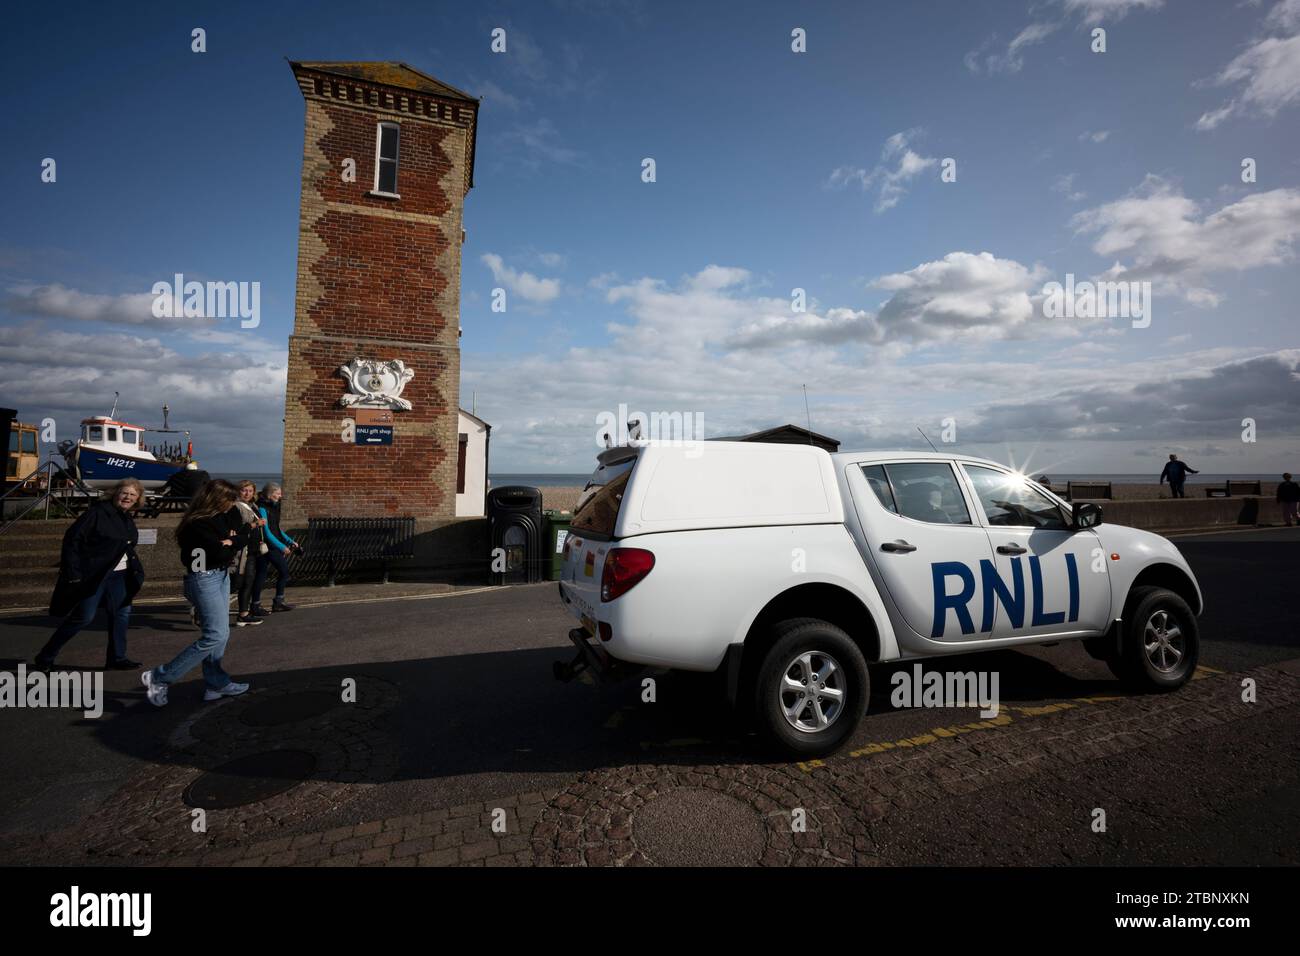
[[375, 395]]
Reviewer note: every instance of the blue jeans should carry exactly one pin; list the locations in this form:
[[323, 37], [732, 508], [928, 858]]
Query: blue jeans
[[209, 592], [264, 562], [112, 594]]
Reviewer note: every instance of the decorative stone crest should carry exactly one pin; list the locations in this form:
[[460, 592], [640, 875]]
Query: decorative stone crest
[[374, 384]]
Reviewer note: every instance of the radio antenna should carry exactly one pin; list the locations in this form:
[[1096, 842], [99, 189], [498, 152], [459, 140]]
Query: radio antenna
[[927, 440], [807, 412], [113, 413]]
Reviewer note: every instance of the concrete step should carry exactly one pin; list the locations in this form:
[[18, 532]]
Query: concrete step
[[34, 528], [31, 576], [37, 594], [36, 558]]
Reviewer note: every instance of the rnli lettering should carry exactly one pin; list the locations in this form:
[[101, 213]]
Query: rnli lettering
[[996, 589]]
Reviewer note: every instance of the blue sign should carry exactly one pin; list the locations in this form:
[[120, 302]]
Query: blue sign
[[374, 434]]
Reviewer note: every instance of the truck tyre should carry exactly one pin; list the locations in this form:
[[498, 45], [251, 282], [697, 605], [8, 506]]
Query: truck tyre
[[811, 688], [1160, 646]]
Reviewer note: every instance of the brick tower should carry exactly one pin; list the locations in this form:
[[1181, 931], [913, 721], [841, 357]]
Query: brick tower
[[388, 158]]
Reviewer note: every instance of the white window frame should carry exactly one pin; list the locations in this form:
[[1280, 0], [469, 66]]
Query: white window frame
[[379, 140]]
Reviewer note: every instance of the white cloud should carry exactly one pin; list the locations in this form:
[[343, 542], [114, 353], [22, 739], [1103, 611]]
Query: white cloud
[[1168, 239], [232, 402], [1189, 402], [1097, 11], [523, 284], [1266, 74], [1011, 60], [899, 165], [713, 343], [494, 95], [56, 301], [963, 296], [537, 141], [1064, 184], [1094, 136]]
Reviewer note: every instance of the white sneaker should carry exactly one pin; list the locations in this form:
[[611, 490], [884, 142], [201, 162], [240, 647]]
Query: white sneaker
[[156, 692], [230, 690]]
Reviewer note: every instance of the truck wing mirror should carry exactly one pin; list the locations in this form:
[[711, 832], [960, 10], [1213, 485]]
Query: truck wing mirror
[[1085, 515]]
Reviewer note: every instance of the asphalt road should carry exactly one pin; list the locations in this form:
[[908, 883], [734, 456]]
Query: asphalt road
[[480, 714]]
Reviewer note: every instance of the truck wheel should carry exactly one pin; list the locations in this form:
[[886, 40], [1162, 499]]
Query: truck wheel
[[811, 689], [1161, 644]]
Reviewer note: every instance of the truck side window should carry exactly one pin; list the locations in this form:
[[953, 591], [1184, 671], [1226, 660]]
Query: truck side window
[[928, 491], [1010, 501], [875, 475]]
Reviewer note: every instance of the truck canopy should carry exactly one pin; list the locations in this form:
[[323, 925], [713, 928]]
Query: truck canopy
[[676, 486]]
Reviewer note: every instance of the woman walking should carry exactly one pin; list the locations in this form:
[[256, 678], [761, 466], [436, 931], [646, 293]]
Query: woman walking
[[99, 566], [244, 570], [279, 547], [210, 535]]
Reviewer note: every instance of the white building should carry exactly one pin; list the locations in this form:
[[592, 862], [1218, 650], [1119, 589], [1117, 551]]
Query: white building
[[471, 465]]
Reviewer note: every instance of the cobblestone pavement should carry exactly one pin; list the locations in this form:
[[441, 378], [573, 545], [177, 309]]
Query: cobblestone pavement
[[932, 797]]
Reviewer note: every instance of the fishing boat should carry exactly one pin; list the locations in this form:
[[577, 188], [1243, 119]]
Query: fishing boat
[[109, 450]]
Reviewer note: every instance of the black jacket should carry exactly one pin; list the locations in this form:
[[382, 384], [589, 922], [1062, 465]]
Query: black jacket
[[205, 536], [1288, 491], [91, 549], [1177, 472], [186, 483]]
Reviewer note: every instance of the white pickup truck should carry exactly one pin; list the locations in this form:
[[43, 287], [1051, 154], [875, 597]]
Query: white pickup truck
[[792, 569]]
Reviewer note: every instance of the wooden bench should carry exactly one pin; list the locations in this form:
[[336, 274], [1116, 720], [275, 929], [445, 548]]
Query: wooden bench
[[1088, 490], [336, 540]]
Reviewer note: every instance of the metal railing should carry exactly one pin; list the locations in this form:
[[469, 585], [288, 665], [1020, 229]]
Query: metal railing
[[69, 489]]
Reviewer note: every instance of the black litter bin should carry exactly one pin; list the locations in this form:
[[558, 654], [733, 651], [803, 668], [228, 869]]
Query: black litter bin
[[515, 524]]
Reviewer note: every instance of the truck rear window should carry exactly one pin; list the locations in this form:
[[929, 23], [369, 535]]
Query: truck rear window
[[600, 512]]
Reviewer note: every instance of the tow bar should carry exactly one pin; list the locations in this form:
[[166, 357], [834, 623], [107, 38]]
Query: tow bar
[[588, 657]]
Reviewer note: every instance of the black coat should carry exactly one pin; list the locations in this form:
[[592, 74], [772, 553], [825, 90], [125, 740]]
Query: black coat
[[91, 549], [186, 483]]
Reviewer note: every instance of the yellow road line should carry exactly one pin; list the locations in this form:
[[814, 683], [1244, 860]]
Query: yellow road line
[[938, 733]]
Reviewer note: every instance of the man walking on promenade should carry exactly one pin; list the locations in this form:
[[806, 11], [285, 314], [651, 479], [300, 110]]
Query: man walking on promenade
[[1288, 496], [1177, 472]]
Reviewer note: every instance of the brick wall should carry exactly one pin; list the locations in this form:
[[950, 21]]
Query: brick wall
[[380, 278]]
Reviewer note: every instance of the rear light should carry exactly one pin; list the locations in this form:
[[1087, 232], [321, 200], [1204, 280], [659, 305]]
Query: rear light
[[624, 568]]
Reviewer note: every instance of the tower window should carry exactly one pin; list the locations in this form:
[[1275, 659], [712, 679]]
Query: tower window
[[386, 138]]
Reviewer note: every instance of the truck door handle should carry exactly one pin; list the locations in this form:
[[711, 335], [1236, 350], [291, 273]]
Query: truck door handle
[[897, 547], [1011, 549]]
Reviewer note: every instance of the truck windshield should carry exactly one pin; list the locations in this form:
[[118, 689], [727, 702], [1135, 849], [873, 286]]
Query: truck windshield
[[599, 513]]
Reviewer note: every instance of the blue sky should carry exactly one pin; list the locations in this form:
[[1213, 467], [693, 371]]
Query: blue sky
[[775, 170]]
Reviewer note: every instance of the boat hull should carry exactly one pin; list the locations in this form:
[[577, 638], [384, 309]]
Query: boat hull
[[103, 469]]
